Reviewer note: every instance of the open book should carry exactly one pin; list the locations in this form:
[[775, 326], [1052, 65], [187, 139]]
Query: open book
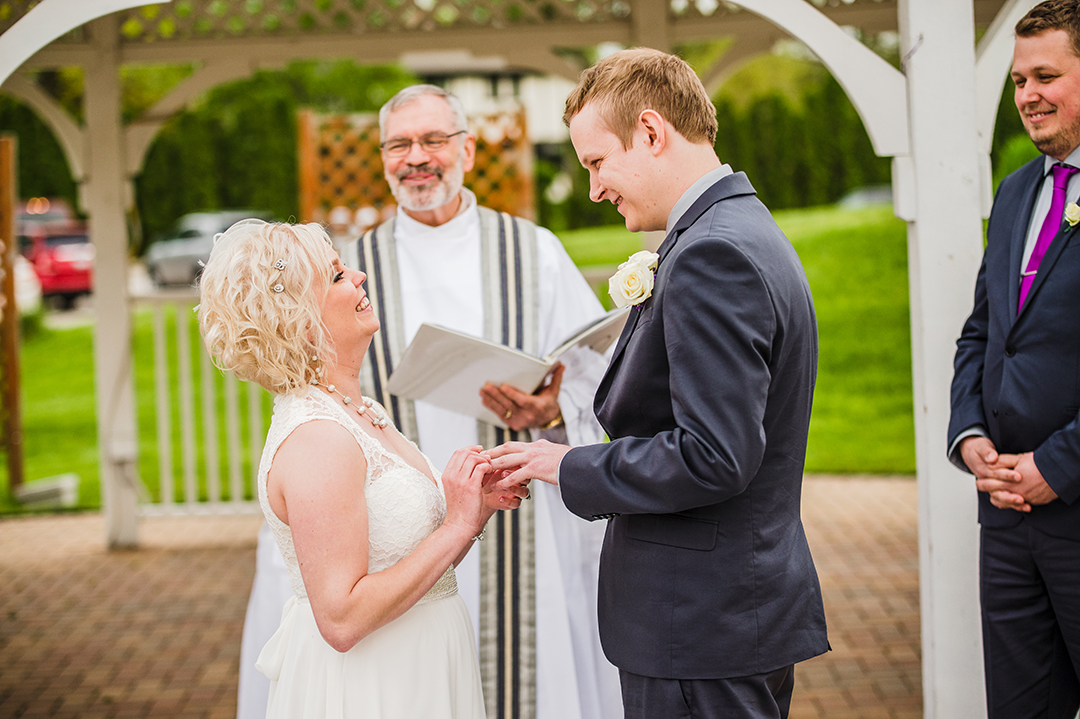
[[447, 368]]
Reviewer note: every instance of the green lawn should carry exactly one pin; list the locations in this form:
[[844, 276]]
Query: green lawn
[[862, 421], [856, 262]]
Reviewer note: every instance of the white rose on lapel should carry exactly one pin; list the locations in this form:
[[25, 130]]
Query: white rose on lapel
[[632, 284], [1072, 214]]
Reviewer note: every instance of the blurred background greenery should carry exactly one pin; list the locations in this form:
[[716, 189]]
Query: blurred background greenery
[[783, 119]]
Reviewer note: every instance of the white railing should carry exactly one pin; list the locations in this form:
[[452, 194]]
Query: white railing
[[200, 487], [217, 465]]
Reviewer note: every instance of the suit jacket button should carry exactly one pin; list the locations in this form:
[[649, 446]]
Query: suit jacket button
[[1010, 351], [995, 412]]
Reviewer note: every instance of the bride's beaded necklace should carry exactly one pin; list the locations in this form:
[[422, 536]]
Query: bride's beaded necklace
[[366, 409]]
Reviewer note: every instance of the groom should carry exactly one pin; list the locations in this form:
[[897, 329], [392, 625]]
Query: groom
[[708, 594]]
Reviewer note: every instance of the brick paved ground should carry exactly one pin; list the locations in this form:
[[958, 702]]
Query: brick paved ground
[[156, 632]]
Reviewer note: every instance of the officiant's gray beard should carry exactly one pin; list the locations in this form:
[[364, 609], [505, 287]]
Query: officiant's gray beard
[[438, 192]]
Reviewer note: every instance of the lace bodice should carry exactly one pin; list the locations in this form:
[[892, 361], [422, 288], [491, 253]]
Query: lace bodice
[[403, 505]]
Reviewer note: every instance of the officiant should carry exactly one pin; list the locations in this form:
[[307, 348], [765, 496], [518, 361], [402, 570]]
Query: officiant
[[445, 260]]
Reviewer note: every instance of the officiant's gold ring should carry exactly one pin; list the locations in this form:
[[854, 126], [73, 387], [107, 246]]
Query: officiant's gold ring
[[509, 414]]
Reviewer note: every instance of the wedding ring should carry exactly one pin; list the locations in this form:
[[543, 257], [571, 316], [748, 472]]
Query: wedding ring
[[528, 493], [509, 414]]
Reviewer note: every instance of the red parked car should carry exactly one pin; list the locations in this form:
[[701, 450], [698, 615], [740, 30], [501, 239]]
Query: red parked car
[[58, 247]]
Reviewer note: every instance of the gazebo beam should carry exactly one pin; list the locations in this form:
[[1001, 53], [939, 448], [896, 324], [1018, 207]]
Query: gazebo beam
[[944, 251], [993, 58], [876, 88], [271, 51], [649, 25], [547, 62]]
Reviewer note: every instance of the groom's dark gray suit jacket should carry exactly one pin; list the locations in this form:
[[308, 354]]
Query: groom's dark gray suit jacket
[[705, 571]]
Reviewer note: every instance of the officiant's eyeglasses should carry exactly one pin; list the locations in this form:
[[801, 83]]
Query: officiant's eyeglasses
[[431, 142]]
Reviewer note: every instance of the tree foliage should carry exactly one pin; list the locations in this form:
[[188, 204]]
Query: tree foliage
[[42, 168], [802, 152], [237, 148]]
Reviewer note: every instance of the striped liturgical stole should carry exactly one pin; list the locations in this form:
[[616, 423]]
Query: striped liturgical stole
[[510, 276]]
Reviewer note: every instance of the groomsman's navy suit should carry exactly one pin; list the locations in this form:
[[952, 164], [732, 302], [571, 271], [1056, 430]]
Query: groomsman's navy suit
[[1018, 377], [705, 571]]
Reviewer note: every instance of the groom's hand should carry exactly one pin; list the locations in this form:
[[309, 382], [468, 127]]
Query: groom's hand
[[525, 411], [527, 460]]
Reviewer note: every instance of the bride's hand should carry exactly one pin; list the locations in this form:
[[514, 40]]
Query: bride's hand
[[508, 498], [463, 481]]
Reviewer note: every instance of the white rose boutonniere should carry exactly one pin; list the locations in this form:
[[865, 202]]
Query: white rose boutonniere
[[1072, 214], [632, 284]]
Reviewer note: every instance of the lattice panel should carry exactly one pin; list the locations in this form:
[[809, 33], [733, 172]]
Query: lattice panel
[[502, 176], [204, 19], [340, 167], [685, 9], [208, 19], [11, 11]]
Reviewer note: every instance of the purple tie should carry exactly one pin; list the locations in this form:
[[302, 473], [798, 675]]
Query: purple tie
[[1050, 228]]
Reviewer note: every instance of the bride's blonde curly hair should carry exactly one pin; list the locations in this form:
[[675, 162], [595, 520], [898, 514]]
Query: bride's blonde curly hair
[[260, 298]]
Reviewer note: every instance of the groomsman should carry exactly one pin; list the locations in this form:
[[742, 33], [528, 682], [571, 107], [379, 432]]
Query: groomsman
[[1016, 390]]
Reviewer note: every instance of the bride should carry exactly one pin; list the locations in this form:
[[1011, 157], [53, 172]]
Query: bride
[[369, 529]]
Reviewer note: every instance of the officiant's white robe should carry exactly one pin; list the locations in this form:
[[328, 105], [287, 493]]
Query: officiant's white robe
[[440, 283]]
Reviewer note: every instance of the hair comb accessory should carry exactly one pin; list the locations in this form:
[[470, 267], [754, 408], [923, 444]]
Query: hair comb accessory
[[279, 265]]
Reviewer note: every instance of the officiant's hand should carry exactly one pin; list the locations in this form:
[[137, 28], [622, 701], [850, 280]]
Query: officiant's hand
[[525, 411], [523, 461]]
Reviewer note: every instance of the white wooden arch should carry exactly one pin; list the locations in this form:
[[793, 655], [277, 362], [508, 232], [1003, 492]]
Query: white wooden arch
[[139, 135], [67, 131], [875, 87], [940, 177], [47, 21]]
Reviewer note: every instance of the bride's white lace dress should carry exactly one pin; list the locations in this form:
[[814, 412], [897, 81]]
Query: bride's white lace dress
[[422, 665]]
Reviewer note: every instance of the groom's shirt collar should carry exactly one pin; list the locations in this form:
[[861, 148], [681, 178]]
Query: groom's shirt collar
[[695, 191]]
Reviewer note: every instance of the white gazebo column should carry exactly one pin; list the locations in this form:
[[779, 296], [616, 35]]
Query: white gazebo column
[[938, 192], [104, 199]]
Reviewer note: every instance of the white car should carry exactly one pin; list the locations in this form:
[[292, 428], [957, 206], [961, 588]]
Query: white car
[[179, 258], [27, 287]]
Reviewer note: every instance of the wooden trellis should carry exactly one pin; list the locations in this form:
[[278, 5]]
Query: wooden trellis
[[340, 166]]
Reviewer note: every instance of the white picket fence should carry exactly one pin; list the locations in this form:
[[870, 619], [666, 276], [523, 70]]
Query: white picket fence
[[174, 386], [204, 448]]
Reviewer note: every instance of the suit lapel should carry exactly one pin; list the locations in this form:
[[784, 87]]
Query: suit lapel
[[729, 186], [1021, 224], [636, 310]]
